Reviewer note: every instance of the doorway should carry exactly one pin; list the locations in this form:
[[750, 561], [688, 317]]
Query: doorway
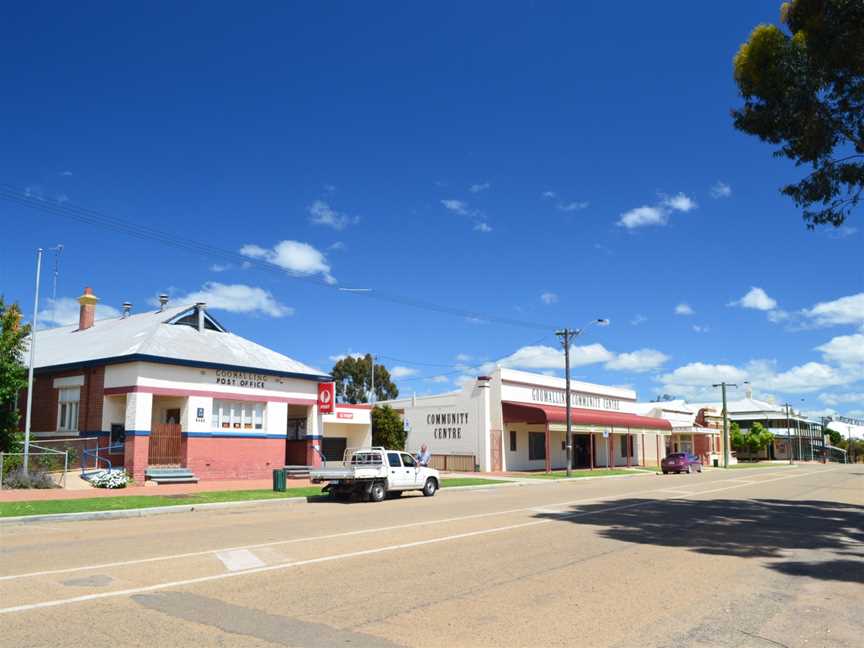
[[581, 451], [333, 448]]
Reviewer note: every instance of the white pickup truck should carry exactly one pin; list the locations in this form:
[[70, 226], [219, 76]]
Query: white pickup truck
[[374, 473]]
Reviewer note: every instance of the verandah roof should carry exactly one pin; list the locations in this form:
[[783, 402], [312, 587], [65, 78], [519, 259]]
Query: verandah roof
[[520, 412]]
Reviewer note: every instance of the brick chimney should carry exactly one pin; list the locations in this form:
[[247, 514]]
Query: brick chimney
[[87, 314]]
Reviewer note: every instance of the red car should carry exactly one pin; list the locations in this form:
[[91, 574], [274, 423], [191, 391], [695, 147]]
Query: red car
[[681, 462]]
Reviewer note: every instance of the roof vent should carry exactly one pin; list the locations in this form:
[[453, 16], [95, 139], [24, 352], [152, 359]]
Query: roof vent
[[163, 301], [127, 308], [199, 308]]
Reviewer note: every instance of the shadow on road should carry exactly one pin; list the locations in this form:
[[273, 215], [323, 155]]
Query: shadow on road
[[743, 528]]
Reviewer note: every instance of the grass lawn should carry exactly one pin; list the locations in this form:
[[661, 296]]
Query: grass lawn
[[119, 503], [599, 472], [44, 507], [470, 481]]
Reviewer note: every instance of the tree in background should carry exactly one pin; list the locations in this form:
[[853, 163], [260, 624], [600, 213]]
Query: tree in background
[[803, 89], [13, 374], [387, 428], [758, 438], [835, 436], [736, 439], [353, 377]]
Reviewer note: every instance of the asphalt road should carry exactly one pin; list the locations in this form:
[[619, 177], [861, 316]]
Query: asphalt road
[[761, 557]]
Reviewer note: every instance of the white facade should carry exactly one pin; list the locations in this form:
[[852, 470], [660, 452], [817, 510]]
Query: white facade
[[479, 421]]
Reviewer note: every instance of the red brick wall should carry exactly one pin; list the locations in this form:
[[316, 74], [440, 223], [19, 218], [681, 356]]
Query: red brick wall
[[220, 458], [44, 414]]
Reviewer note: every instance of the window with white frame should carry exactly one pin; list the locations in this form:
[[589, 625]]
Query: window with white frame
[[237, 415], [68, 399]]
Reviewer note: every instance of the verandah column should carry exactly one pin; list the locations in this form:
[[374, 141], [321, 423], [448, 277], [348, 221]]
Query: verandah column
[[139, 413], [657, 439], [629, 447], [548, 442], [591, 449], [642, 444]]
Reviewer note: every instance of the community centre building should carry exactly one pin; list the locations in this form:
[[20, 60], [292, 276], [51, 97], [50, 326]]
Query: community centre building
[[515, 420], [695, 430], [172, 388]]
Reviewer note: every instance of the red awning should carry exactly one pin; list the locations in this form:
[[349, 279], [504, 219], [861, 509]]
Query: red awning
[[522, 413]]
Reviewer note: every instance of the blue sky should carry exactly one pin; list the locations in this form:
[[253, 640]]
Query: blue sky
[[550, 162]]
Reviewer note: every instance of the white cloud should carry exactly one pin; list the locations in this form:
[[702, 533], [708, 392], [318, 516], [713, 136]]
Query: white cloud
[[844, 349], [463, 357], [65, 311], [62, 198], [839, 399], [477, 188], [679, 202], [338, 245], [603, 248], [637, 361], [699, 328], [842, 232], [439, 379], [642, 216], [549, 195], [456, 206], [342, 356], [808, 377], [720, 190], [546, 357], [66, 174], [220, 267], [402, 372], [656, 214], [757, 299], [572, 206], [694, 380], [321, 213], [482, 227], [846, 310], [295, 257], [638, 319], [236, 298], [684, 309], [548, 298]]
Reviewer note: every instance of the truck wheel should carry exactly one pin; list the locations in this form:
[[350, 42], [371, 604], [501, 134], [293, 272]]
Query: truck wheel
[[430, 487], [377, 493]]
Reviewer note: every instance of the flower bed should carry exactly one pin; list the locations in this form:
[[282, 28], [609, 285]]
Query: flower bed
[[111, 479]]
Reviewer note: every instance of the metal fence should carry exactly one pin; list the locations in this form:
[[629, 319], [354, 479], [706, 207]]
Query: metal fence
[[45, 468]]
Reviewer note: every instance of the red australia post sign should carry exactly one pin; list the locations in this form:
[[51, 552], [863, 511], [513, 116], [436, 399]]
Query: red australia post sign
[[326, 396]]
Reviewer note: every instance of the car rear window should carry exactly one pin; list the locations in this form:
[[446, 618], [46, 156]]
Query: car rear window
[[677, 455]]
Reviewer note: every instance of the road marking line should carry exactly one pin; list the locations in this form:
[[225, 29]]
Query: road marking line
[[353, 554], [239, 559], [301, 563], [344, 534]]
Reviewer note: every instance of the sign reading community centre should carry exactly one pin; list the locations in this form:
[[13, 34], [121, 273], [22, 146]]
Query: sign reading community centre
[[447, 425]]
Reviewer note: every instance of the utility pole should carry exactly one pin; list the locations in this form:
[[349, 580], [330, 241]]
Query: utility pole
[[565, 335], [723, 386], [372, 395], [28, 416], [788, 433]]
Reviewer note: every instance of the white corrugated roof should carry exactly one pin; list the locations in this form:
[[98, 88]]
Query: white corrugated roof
[[150, 334]]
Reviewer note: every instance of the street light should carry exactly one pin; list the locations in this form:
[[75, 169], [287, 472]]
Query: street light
[[723, 386], [566, 336]]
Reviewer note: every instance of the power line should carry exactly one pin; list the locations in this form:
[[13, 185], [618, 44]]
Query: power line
[[100, 219]]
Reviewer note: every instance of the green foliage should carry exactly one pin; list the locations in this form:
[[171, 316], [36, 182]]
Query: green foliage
[[353, 377], [836, 437], [753, 440], [387, 428], [803, 89], [13, 375], [736, 439]]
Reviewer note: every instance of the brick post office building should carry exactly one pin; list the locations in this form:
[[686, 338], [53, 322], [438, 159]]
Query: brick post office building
[[173, 388]]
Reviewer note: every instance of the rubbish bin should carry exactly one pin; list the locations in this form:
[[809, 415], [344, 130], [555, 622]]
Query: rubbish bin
[[716, 463], [279, 480]]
